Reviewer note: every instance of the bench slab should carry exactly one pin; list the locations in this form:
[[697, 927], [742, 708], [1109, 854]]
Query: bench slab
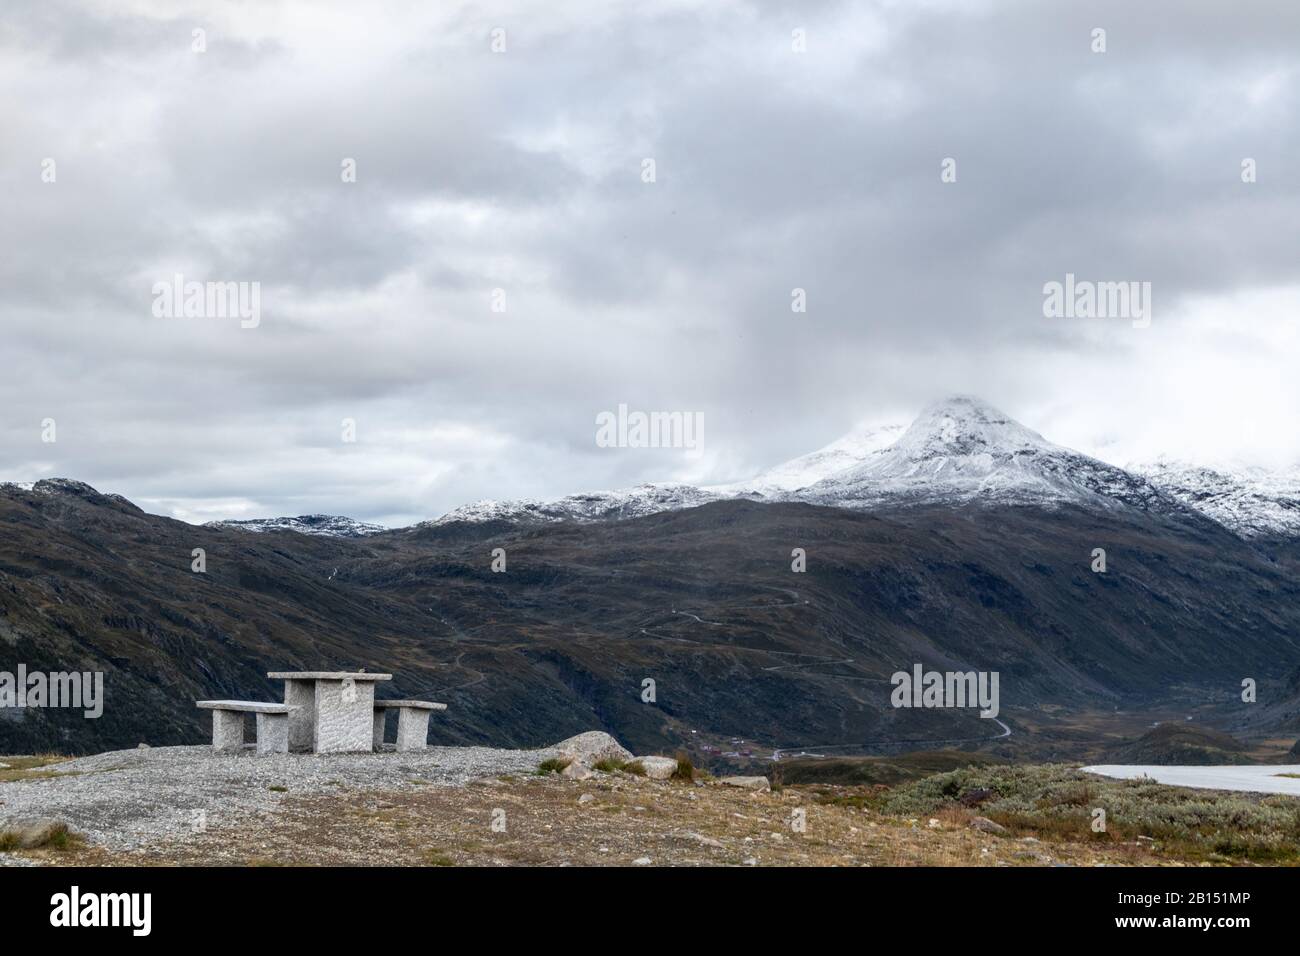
[[417, 704], [246, 706]]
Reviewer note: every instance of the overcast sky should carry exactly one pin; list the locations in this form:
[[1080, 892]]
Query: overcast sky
[[522, 171]]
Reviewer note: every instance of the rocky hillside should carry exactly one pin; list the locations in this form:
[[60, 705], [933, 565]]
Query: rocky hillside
[[1175, 744], [745, 654]]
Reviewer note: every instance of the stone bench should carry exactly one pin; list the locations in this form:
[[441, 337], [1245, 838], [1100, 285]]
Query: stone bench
[[228, 724], [412, 722]]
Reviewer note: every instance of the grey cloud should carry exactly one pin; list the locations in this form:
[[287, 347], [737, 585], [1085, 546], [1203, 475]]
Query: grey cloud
[[521, 171]]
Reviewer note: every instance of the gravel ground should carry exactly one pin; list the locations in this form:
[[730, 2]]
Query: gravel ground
[[131, 799]]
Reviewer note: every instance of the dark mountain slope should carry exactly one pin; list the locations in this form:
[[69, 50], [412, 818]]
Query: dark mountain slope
[[1181, 744], [702, 601]]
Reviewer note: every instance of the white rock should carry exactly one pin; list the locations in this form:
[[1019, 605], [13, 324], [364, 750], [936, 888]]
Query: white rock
[[585, 799], [577, 770], [657, 768], [642, 861], [748, 783], [592, 747]]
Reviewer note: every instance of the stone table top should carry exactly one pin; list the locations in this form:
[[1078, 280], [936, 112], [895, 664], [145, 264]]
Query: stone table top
[[327, 675]]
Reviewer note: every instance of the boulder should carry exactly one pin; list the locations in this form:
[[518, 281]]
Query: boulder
[[39, 832], [748, 783], [592, 747], [985, 825], [577, 770], [657, 768]]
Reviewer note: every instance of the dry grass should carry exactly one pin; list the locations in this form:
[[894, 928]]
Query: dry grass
[[1057, 802], [29, 767], [539, 821]]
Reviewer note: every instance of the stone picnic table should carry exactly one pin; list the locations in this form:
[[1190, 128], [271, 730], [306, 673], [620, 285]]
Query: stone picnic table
[[333, 710]]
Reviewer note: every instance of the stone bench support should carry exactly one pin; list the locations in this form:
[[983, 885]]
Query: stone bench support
[[227, 731], [272, 733], [412, 722]]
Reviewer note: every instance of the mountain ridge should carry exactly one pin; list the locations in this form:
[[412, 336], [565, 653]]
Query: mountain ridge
[[960, 448], [957, 449], [703, 600]]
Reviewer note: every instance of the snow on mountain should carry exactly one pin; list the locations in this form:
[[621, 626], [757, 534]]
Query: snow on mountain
[[1250, 501], [839, 456], [330, 526], [963, 448], [592, 506], [773, 484]]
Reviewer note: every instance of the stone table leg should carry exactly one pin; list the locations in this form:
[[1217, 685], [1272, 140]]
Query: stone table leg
[[380, 716], [412, 728], [273, 733], [227, 730], [302, 722], [345, 716]]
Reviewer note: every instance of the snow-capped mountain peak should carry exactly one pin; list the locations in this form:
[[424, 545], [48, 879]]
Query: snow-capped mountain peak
[[962, 427], [964, 449]]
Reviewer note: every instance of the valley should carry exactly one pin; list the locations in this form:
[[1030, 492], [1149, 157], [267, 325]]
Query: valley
[[982, 558]]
